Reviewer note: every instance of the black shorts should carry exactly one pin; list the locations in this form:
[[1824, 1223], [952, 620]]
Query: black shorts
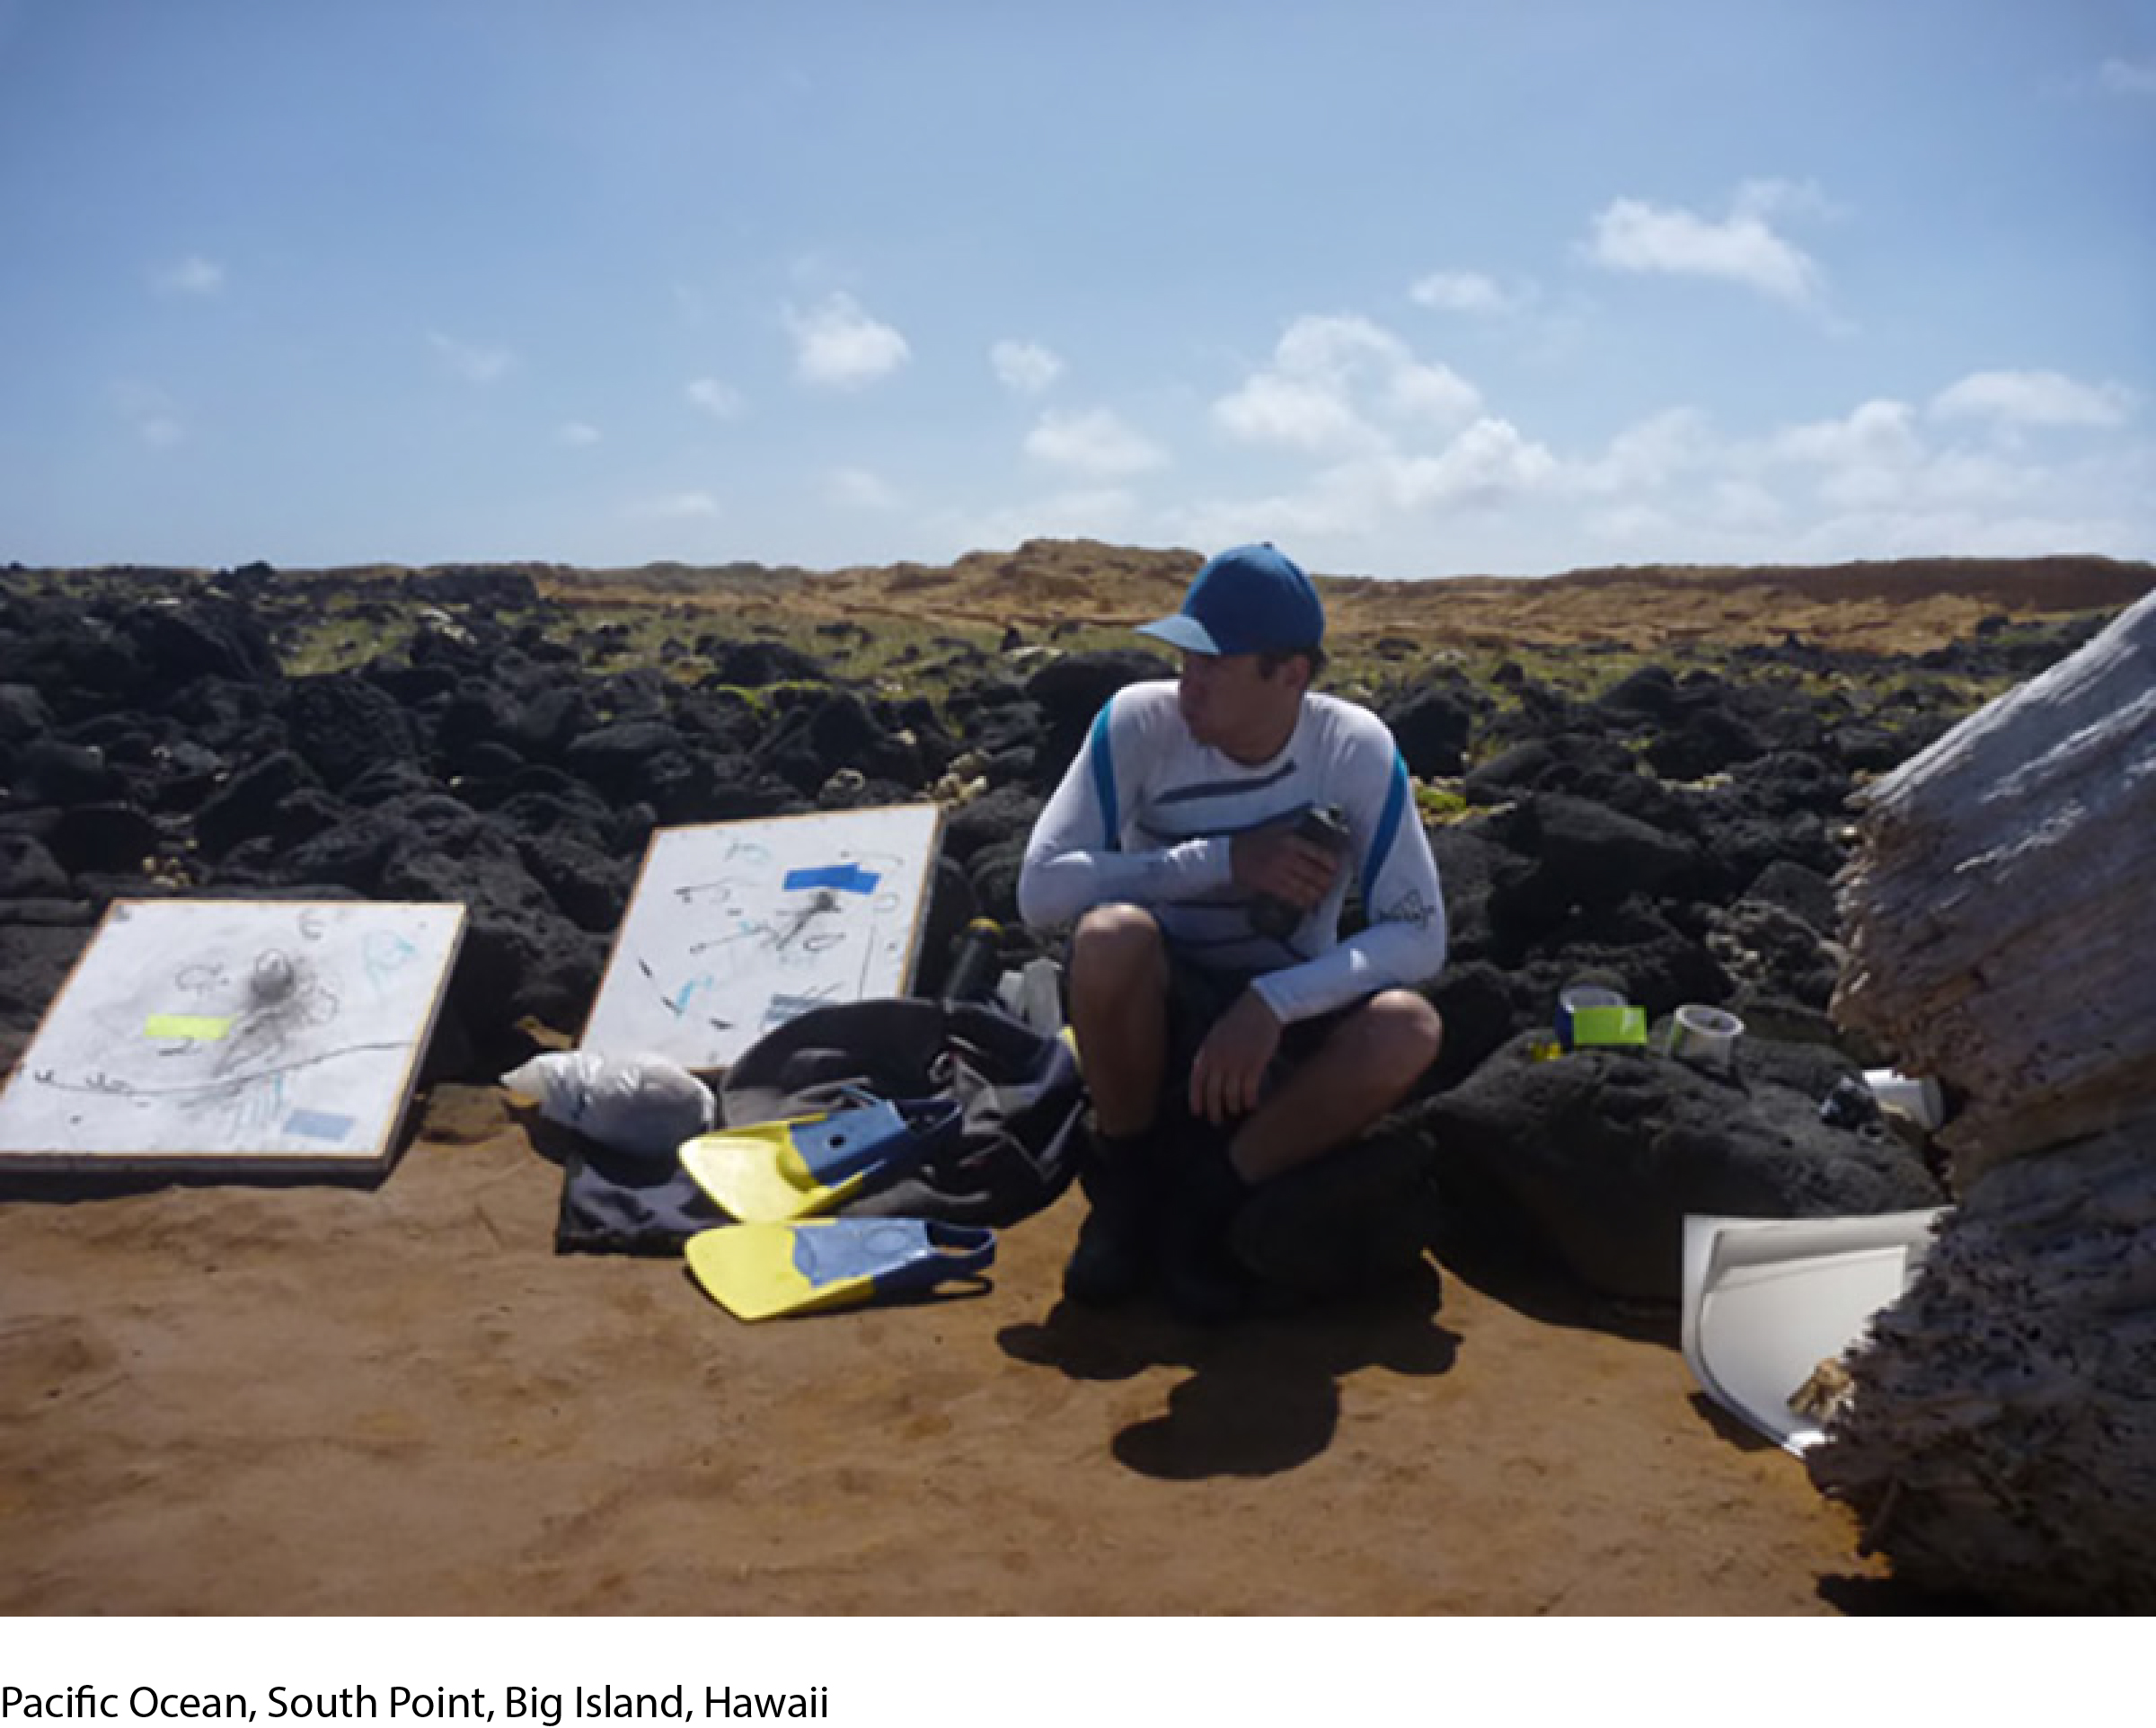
[[1197, 999]]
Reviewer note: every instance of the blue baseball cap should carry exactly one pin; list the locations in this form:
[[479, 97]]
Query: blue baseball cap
[[1247, 600]]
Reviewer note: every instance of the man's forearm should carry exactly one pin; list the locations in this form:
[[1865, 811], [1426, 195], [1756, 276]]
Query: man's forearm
[[1374, 959], [1054, 888]]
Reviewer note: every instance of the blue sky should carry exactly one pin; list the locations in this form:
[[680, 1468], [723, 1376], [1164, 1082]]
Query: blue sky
[[1411, 289]]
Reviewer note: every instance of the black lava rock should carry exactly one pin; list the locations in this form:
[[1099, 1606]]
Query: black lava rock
[[343, 727], [51, 772], [1432, 728], [103, 837], [1603, 1154], [250, 803]]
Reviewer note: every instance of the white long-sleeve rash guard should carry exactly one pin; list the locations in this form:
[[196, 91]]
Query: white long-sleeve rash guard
[[1146, 815]]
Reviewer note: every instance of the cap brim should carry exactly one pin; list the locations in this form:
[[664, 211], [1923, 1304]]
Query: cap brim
[[1179, 630]]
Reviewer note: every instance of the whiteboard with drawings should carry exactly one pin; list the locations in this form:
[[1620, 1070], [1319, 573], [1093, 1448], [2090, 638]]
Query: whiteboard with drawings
[[738, 927], [234, 1035]]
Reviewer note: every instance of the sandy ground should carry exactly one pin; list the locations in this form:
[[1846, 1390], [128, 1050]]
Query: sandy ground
[[240, 1400]]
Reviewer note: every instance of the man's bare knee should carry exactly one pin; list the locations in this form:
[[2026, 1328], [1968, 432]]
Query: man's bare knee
[[1396, 1035], [1118, 948]]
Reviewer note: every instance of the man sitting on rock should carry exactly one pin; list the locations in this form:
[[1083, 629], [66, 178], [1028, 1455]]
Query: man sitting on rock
[[1228, 1034]]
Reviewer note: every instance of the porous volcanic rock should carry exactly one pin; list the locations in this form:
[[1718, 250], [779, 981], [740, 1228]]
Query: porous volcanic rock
[[342, 725], [1070, 692], [1602, 1153], [1431, 728]]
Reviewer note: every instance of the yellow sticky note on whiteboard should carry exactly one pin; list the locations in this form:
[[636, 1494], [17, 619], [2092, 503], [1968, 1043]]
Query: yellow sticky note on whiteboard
[[203, 1028]]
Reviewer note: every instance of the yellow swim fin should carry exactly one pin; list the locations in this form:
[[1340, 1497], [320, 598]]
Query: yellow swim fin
[[771, 1171], [757, 1271]]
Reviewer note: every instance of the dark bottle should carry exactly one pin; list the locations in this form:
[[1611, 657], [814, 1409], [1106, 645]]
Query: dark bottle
[[975, 962], [1323, 825]]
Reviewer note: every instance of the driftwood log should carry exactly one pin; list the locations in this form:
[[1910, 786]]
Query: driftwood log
[[2000, 918], [2001, 921]]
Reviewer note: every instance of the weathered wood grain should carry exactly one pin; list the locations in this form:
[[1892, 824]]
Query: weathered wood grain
[[2000, 1435], [2001, 923]]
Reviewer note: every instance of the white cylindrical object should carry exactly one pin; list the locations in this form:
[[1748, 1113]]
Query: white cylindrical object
[[1704, 1036]]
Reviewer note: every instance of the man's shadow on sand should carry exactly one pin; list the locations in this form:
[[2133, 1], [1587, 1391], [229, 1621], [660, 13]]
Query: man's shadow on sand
[[1264, 1394]]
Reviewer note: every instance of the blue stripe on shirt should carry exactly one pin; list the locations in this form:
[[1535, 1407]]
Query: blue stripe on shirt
[[1104, 778], [1155, 834], [1228, 788], [1387, 829]]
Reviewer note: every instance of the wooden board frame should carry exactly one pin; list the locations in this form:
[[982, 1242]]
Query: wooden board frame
[[231, 1036], [734, 927]]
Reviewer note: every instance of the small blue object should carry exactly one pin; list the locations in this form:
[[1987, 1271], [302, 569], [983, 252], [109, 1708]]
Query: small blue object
[[318, 1125], [847, 878], [878, 1131], [900, 1255]]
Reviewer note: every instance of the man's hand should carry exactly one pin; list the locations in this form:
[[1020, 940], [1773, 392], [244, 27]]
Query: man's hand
[[1232, 1062], [1276, 861]]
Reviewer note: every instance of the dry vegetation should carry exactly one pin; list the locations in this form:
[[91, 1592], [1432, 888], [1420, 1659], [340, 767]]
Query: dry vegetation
[[1895, 607]]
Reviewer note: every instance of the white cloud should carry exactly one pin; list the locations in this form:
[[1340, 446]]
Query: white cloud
[[1651, 454], [1639, 526], [861, 488], [838, 346], [677, 507], [1383, 502], [1703, 520], [1636, 236], [1876, 432], [150, 414], [1745, 504], [1405, 443], [1436, 393], [1676, 489], [1293, 413], [1868, 460], [1869, 483], [1332, 346], [473, 364], [194, 274], [1486, 465], [1979, 477], [1377, 459], [576, 434], [1467, 291], [1026, 367], [2033, 399], [1331, 379], [720, 400], [1913, 530], [1095, 441], [2128, 77]]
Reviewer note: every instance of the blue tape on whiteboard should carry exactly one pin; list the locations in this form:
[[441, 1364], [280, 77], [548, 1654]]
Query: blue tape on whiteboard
[[318, 1125], [847, 878]]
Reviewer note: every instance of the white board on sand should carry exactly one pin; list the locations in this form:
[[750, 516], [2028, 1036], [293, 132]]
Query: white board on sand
[[1768, 1299], [738, 927], [232, 1034]]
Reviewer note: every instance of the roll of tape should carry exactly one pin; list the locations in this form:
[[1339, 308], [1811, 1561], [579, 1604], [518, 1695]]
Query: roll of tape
[[1705, 1036]]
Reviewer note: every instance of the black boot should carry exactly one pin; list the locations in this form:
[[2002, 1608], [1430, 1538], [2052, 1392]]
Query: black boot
[[1200, 1200], [1343, 1224], [1110, 1264]]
